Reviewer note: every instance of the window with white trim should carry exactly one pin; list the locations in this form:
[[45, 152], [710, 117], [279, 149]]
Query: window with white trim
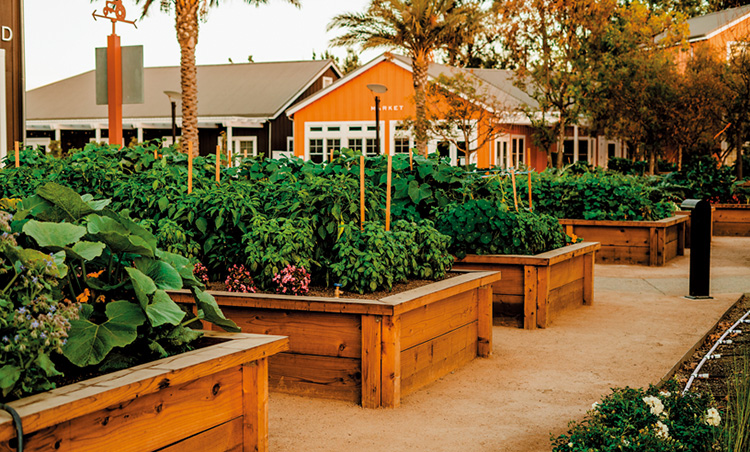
[[242, 148], [401, 145], [327, 81], [333, 145], [502, 159], [290, 145], [355, 144], [316, 150], [354, 135]]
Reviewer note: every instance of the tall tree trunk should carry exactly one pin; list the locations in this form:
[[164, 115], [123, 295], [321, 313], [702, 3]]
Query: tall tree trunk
[[186, 23], [651, 161], [738, 165], [679, 158], [560, 144], [420, 65]]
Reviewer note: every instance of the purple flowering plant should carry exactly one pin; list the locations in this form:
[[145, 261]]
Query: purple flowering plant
[[292, 280], [239, 280]]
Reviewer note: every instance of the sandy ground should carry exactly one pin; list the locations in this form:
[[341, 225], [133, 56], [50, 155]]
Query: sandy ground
[[536, 381]]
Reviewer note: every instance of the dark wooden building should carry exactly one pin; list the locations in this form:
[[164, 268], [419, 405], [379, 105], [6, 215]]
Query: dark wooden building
[[12, 84], [243, 104]]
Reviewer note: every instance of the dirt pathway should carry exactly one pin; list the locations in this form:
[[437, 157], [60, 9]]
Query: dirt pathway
[[536, 381]]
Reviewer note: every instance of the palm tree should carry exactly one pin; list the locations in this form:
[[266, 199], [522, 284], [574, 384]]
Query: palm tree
[[187, 13], [418, 27]]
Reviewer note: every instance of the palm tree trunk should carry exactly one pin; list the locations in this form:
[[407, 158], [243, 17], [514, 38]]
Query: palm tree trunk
[[186, 23], [419, 76]]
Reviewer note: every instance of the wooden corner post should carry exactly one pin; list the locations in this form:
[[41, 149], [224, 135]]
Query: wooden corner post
[[255, 406], [391, 362], [371, 360], [484, 321]]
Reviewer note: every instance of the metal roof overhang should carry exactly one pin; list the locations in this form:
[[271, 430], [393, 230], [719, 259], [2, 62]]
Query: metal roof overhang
[[204, 122]]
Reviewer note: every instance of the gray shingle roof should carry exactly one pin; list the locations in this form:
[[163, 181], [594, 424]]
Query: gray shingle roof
[[703, 25], [253, 90]]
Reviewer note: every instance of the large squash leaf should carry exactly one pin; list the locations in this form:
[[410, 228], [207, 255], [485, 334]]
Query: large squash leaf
[[53, 234], [9, 375], [115, 235], [68, 205], [142, 284], [89, 343], [209, 310], [183, 267], [163, 310], [163, 274]]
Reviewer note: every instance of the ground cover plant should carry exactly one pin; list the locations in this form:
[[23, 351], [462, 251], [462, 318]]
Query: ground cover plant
[[85, 291], [645, 420]]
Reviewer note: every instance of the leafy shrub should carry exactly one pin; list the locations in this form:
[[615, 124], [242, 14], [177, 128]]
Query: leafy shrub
[[239, 280], [292, 280], [370, 260], [484, 227], [171, 237], [649, 420], [705, 178], [274, 244], [427, 254], [112, 267]]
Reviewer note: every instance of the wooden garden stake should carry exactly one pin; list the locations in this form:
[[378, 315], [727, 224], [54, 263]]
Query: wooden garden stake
[[218, 163], [190, 166], [156, 154], [531, 206], [411, 159], [362, 192], [513, 181], [388, 195], [17, 156]]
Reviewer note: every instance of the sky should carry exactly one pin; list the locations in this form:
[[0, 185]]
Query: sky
[[61, 35]]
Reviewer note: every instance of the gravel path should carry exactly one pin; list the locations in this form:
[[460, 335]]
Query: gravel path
[[536, 381]]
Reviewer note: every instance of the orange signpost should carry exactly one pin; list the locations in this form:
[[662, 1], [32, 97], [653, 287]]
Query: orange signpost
[[218, 163], [18, 163], [114, 11]]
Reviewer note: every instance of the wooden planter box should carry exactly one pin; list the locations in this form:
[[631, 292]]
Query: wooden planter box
[[211, 399], [651, 243], [369, 351], [541, 286], [731, 220]]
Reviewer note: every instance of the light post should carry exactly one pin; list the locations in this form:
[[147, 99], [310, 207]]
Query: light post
[[174, 96], [377, 89]]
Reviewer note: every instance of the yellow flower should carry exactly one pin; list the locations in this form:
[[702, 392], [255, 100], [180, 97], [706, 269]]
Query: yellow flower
[[84, 296]]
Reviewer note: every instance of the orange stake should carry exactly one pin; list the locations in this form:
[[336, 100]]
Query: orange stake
[[362, 192], [218, 163], [531, 206], [190, 166], [156, 155], [515, 195], [18, 163], [411, 159], [388, 195]]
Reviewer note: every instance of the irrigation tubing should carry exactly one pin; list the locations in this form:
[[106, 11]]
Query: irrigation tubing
[[718, 342], [17, 423]]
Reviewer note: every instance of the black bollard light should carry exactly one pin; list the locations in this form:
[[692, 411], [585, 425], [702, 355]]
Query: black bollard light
[[700, 248]]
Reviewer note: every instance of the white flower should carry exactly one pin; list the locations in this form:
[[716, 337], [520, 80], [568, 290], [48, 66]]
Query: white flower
[[595, 405], [662, 431], [713, 417], [657, 408], [665, 393], [625, 442], [570, 445]]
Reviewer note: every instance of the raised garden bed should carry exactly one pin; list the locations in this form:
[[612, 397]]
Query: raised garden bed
[[731, 220], [651, 243], [539, 287], [368, 351], [211, 399]]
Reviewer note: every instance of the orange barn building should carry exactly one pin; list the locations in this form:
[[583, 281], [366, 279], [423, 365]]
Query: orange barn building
[[722, 33], [343, 116]]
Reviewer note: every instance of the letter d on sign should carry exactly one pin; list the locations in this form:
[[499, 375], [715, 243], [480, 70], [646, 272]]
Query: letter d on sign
[[7, 34]]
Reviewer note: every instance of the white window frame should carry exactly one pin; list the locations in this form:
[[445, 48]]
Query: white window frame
[[237, 156], [508, 159], [39, 141], [343, 134], [327, 81], [290, 144], [741, 44]]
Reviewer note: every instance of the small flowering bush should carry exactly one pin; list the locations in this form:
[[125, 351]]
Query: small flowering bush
[[201, 273], [239, 280], [292, 280], [649, 420], [34, 318]]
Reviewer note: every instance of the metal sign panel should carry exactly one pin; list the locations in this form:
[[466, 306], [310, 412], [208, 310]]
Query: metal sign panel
[[132, 75], [12, 74]]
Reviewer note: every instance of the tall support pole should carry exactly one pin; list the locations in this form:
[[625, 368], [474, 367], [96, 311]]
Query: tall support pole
[[388, 195], [114, 87], [362, 192], [377, 124], [174, 123]]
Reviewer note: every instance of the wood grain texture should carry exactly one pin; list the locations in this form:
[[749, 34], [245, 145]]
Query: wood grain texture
[[391, 364], [178, 411], [588, 279], [224, 437], [310, 333], [425, 363], [484, 321], [371, 360], [543, 284], [566, 297], [429, 321], [317, 376], [529, 297], [255, 406]]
